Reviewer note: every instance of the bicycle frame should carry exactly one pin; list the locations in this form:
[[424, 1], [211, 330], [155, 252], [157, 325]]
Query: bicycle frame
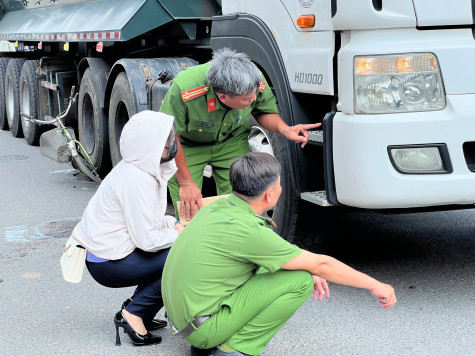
[[54, 142]]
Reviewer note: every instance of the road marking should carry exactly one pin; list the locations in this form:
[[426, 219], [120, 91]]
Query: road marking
[[54, 229], [16, 233], [63, 171]]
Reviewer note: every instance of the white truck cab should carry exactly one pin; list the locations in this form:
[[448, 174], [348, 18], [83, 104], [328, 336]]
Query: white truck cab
[[403, 75]]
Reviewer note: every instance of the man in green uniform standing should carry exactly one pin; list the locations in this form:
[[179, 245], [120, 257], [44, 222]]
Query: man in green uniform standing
[[211, 104], [211, 291]]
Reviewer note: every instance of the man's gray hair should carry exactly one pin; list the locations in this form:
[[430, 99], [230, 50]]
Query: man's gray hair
[[233, 73], [251, 174]]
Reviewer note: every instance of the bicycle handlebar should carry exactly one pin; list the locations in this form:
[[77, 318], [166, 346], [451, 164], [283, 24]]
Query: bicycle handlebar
[[72, 98], [27, 116], [36, 121]]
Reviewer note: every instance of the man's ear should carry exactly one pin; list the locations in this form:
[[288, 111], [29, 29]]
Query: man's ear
[[222, 97], [268, 194]]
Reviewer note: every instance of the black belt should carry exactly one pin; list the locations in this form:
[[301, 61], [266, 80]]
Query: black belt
[[187, 330]]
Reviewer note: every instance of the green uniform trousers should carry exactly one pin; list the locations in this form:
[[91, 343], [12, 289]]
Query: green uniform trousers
[[219, 155], [254, 313]]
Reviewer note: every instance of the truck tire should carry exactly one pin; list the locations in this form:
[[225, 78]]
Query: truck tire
[[12, 97], [284, 213], [92, 123], [3, 112], [121, 108], [29, 103], [299, 222]]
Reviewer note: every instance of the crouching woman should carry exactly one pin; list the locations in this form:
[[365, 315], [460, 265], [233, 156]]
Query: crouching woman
[[124, 227]]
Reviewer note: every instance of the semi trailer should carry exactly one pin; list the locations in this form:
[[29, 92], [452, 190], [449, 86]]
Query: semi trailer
[[393, 83]]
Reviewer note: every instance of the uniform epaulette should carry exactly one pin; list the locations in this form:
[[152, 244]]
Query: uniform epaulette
[[194, 93], [262, 86], [268, 221]]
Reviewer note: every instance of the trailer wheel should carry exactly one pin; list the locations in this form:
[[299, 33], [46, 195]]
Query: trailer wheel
[[92, 123], [121, 108], [12, 97], [29, 102], [3, 112]]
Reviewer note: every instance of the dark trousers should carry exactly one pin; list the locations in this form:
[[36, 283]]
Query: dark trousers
[[141, 269]]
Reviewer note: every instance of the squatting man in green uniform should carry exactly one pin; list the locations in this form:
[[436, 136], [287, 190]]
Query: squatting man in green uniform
[[211, 291], [211, 104]]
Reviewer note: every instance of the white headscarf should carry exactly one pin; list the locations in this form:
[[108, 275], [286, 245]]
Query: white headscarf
[[143, 140], [128, 209]]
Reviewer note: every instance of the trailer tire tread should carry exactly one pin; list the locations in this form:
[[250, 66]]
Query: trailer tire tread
[[12, 99], [28, 76], [3, 111], [121, 108], [92, 123]]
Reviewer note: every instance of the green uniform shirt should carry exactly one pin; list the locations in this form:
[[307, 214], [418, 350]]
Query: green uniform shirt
[[200, 117], [221, 248]]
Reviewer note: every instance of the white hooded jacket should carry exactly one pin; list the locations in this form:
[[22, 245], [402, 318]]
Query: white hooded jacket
[[128, 209]]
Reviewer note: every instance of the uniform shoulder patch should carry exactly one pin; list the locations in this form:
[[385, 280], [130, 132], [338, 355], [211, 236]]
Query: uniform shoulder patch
[[262, 86], [194, 93], [211, 104]]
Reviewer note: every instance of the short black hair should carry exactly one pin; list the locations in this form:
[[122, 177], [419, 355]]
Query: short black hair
[[251, 174]]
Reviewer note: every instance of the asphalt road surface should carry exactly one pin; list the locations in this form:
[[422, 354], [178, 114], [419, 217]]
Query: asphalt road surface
[[427, 257]]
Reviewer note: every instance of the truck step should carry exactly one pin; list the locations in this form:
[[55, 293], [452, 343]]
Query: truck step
[[319, 197], [315, 136]]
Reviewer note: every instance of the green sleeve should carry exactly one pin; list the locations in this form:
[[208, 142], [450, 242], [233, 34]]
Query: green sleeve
[[267, 249], [173, 105], [265, 103]]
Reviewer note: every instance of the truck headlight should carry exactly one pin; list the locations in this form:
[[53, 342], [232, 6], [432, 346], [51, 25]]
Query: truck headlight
[[397, 83]]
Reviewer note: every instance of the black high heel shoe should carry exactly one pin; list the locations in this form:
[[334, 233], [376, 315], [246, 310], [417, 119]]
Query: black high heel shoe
[[150, 325], [137, 339]]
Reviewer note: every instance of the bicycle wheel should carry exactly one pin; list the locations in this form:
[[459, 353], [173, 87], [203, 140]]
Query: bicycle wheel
[[86, 167]]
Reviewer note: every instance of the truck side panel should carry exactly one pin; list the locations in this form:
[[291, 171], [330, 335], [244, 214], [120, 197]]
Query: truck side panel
[[82, 21]]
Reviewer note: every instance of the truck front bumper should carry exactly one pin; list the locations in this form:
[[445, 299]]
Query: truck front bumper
[[365, 176]]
